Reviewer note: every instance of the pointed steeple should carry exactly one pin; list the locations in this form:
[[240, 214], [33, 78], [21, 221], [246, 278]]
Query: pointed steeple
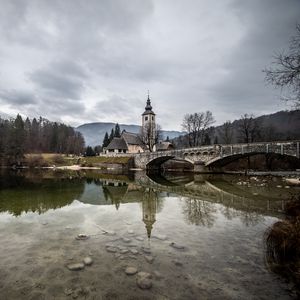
[[148, 104], [148, 107]]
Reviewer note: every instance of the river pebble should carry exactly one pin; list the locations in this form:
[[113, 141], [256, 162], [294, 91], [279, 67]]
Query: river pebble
[[87, 261], [146, 250], [177, 246], [134, 251], [149, 259], [139, 238], [131, 270], [110, 232], [111, 249], [160, 237], [75, 266], [82, 237], [144, 281], [130, 231], [126, 240]]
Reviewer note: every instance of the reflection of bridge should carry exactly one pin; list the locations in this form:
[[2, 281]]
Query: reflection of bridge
[[207, 158], [208, 192]]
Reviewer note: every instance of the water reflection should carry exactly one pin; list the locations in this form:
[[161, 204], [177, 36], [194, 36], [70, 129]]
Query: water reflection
[[26, 192]]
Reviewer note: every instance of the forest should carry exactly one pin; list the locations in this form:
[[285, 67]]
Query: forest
[[19, 137]]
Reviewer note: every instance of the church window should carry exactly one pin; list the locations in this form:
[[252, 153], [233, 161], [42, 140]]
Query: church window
[[146, 118]]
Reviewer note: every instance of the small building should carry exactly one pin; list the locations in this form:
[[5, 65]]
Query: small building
[[164, 146], [133, 141], [117, 145]]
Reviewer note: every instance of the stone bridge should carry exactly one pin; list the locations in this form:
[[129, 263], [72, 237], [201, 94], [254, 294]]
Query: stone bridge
[[214, 157]]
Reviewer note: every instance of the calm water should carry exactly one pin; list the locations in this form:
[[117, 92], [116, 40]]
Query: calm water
[[216, 222]]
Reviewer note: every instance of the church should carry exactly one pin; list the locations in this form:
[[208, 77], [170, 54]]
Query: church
[[136, 143], [145, 141]]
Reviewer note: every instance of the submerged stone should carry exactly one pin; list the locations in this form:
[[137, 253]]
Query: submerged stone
[[160, 237], [75, 266], [106, 232], [177, 246], [134, 251], [146, 250], [130, 270], [82, 237], [149, 259], [87, 261], [111, 249], [144, 280], [126, 240], [139, 238]]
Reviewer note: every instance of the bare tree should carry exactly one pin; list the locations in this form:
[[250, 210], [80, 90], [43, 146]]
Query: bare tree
[[151, 136], [226, 132], [248, 128], [195, 126], [285, 70]]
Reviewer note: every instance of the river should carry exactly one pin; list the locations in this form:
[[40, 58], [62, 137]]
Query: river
[[193, 236]]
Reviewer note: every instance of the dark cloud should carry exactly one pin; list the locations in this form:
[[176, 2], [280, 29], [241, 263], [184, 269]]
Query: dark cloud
[[94, 61], [63, 80], [17, 97]]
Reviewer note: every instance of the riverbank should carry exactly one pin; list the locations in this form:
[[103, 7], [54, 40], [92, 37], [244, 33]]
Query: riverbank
[[62, 161], [283, 244]]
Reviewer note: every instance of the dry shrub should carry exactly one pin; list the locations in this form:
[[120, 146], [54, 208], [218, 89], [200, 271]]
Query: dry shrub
[[34, 161], [283, 244], [57, 159], [283, 241]]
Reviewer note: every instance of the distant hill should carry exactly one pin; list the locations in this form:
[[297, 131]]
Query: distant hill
[[93, 133]]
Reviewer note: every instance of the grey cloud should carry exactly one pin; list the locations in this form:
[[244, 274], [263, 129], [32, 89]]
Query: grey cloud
[[63, 80], [17, 97], [94, 60]]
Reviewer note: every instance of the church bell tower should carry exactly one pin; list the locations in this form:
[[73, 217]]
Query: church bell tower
[[148, 125]]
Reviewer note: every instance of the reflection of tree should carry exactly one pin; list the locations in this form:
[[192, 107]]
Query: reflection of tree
[[250, 218], [114, 191], [199, 212], [229, 212], [30, 196]]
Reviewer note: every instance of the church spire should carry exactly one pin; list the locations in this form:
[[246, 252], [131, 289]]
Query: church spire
[[148, 104]]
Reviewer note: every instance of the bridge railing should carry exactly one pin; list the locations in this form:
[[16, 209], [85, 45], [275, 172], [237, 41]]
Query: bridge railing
[[282, 147]]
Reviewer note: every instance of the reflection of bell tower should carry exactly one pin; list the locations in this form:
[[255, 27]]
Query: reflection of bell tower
[[149, 206]]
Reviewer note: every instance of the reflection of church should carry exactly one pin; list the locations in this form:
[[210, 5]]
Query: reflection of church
[[117, 192], [149, 207]]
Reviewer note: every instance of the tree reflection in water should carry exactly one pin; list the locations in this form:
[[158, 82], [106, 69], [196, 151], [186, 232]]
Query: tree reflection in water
[[199, 212]]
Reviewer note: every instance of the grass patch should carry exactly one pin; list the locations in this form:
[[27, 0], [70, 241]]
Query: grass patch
[[94, 160], [50, 159], [58, 160]]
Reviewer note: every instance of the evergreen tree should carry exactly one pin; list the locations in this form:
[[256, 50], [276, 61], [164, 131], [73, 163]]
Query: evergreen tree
[[89, 151], [105, 140], [112, 135], [117, 131], [15, 148]]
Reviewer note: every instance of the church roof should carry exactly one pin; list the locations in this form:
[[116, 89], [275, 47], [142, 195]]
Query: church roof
[[148, 108], [117, 143], [131, 138], [164, 146]]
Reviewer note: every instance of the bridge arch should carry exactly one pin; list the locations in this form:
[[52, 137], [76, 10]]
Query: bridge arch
[[156, 162], [220, 162]]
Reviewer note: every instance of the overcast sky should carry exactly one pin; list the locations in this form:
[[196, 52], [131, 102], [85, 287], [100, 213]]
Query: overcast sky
[[91, 61]]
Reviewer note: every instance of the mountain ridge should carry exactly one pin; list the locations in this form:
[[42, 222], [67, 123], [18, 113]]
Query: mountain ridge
[[93, 133]]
